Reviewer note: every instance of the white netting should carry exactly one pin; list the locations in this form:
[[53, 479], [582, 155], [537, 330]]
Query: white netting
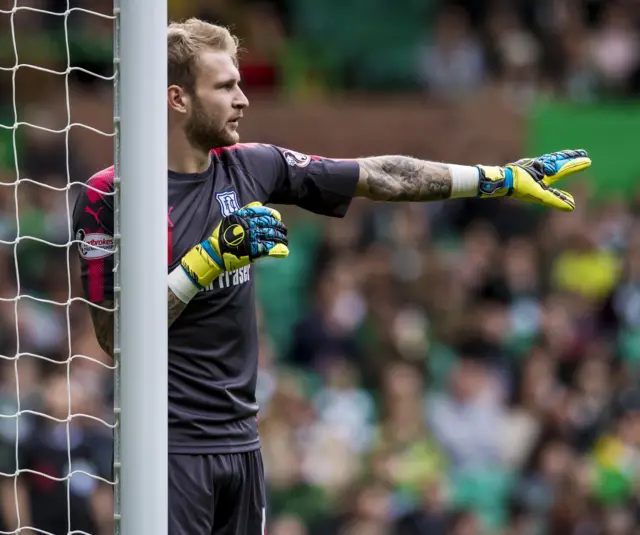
[[35, 410]]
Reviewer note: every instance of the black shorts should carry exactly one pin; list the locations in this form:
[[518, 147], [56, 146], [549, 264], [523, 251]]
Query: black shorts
[[216, 494]]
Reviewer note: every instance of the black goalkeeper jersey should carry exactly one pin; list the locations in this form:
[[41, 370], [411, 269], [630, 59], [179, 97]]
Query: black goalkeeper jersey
[[213, 345]]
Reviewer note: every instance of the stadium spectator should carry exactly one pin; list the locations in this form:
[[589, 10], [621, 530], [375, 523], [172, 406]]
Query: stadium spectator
[[506, 341]]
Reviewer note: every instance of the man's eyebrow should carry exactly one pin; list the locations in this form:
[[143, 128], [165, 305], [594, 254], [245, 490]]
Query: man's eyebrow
[[229, 80]]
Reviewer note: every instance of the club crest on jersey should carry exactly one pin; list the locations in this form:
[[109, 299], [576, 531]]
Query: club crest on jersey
[[296, 159], [228, 202]]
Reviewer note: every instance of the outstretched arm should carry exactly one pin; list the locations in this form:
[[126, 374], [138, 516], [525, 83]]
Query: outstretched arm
[[401, 178]]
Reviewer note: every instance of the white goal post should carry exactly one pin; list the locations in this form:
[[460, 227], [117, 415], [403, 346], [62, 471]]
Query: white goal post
[[140, 201], [141, 277]]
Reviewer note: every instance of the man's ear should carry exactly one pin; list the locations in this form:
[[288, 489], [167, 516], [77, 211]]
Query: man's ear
[[177, 99]]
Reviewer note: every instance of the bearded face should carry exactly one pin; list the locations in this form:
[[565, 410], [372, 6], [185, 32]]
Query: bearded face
[[208, 128], [216, 105]]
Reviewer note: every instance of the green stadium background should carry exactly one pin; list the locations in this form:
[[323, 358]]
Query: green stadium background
[[610, 132]]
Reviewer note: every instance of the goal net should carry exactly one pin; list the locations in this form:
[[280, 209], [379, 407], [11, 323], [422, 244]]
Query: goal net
[[56, 385]]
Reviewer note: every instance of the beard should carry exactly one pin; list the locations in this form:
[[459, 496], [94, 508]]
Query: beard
[[207, 131]]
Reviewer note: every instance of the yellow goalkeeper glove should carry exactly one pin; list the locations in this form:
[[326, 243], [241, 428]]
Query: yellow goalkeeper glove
[[530, 179], [252, 232]]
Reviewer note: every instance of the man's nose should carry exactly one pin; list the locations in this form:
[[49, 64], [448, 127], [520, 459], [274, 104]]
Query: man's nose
[[241, 101]]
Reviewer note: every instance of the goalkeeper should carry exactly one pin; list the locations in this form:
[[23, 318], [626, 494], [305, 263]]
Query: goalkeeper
[[216, 477]]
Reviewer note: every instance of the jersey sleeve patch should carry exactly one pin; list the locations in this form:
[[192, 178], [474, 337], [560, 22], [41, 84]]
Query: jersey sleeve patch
[[296, 159], [94, 245]]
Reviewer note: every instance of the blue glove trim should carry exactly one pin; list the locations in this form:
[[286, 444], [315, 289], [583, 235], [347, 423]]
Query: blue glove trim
[[508, 181], [195, 283], [209, 250]]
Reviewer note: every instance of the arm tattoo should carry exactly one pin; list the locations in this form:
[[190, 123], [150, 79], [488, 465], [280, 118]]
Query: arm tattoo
[[401, 178], [175, 307], [103, 320], [103, 326]]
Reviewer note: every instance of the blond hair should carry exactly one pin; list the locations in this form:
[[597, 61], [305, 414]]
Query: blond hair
[[186, 40]]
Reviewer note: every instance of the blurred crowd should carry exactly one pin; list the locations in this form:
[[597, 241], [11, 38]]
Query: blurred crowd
[[577, 49], [456, 374], [458, 368]]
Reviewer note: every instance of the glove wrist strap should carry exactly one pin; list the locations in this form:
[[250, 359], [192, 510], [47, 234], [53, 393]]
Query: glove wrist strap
[[464, 181], [181, 285]]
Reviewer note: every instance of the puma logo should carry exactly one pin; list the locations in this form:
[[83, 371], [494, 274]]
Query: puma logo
[[96, 214]]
